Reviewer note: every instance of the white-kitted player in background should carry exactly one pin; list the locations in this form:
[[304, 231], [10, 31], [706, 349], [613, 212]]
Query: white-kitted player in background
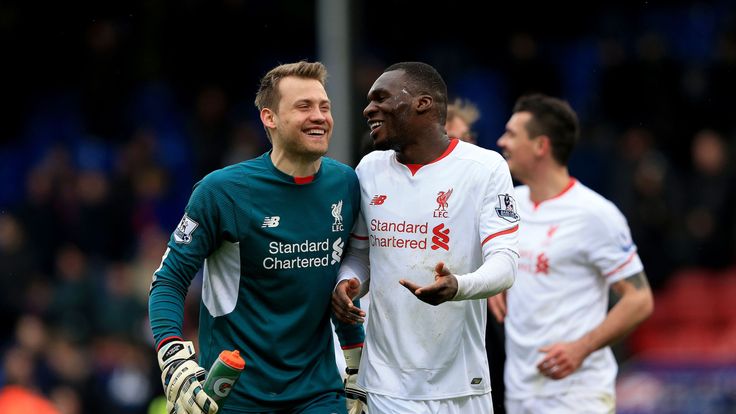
[[574, 246]]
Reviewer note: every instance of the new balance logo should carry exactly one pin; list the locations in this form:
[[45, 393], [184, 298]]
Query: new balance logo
[[271, 221], [378, 199]]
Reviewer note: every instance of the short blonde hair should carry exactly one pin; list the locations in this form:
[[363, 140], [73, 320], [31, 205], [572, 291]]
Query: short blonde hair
[[465, 110], [268, 93]]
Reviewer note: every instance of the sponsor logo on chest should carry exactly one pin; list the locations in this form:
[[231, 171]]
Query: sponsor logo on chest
[[306, 253], [405, 234]]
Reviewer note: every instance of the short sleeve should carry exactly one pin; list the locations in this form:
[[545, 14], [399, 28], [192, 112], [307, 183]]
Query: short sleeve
[[499, 217], [609, 245]]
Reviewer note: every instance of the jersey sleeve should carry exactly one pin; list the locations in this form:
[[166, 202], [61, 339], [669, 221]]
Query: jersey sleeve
[[194, 238], [498, 232], [356, 261], [609, 245], [349, 335], [499, 217]]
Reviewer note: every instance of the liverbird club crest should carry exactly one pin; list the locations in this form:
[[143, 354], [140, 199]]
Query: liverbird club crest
[[337, 215], [442, 198]]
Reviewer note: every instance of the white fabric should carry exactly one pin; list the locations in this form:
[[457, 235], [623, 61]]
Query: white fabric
[[414, 350], [496, 274], [572, 248], [356, 260], [564, 404], [471, 404], [219, 288]]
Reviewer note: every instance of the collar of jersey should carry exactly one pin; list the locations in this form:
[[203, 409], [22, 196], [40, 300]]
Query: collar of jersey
[[415, 167], [286, 177]]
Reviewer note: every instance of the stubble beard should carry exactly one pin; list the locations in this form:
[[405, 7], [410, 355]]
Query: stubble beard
[[305, 151]]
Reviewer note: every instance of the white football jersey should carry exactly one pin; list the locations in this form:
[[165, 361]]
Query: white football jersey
[[572, 247], [456, 209]]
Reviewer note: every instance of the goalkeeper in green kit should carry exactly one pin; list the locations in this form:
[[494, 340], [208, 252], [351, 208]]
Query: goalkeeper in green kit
[[270, 234]]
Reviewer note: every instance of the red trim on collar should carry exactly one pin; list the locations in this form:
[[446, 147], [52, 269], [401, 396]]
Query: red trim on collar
[[564, 190], [415, 167], [304, 180]]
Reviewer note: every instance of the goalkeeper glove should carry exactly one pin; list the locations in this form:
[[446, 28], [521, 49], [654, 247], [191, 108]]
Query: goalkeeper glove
[[182, 378], [355, 395]]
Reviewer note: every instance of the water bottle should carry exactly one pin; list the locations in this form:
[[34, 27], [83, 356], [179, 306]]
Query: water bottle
[[222, 375]]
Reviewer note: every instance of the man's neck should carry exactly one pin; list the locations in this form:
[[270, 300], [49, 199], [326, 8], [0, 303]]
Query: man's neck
[[423, 151], [293, 165], [548, 183]]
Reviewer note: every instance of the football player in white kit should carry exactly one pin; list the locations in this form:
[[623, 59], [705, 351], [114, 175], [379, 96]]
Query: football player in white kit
[[574, 245], [439, 220]]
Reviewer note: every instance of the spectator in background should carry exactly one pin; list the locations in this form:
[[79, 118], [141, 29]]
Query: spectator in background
[[461, 115], [270, 232], [574, 245], [20, 386], [18, 267], [15, 399], [710, 202], [527, 70], [643, 187]]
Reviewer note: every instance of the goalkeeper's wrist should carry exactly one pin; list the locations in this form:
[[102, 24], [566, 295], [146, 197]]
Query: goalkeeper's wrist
[[352, 358], [167, 340], [175, 352]]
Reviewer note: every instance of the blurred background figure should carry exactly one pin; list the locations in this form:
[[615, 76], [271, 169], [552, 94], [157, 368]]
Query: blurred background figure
[[461, 115], [709, 203]]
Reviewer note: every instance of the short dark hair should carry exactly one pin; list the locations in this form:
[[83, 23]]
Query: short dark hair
[[554, 118], [424, 79]]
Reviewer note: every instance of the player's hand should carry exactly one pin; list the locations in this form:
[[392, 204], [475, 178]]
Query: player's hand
[[443, 289], [497, 306], [182, 378], [355, 395], [342, 302], [561, 359]]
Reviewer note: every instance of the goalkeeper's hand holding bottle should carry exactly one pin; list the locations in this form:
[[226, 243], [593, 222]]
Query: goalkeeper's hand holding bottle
[[182, 378]]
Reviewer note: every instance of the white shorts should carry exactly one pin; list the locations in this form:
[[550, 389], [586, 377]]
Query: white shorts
[[563, 404], [469, 404]]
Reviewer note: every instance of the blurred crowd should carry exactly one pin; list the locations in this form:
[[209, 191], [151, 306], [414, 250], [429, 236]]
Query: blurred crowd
[[96, 168]]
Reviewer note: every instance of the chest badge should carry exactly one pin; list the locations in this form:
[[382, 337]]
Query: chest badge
[[442, 204], [337, 215]]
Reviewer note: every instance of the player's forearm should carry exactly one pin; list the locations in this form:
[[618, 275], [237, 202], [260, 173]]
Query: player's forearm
[[355, 264], [349, 335], [165, 311], [633, 307], [495, 275]]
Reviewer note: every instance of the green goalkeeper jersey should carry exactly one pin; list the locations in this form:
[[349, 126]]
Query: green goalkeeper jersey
[[271, 248]]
